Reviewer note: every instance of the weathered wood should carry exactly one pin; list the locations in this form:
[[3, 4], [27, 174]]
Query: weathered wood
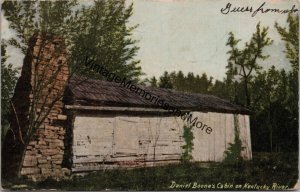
[[123, 109], [198, 152], [161, 157], [204, 155], [143, 136], [229, 130], [167, 150], [223, 134], [219, 136], [91, 150], [85, 90], [247, 122], [101, 159], [86, 168], [211, 145], [242, 135], [246, 139], [126, 140], [148, 141], [92, 135], [93, 168]]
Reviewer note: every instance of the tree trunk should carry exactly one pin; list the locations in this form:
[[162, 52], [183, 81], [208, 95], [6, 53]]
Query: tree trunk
[[247, 92], [270, 127]]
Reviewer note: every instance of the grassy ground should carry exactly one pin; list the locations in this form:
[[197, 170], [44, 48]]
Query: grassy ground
[[264, 169]]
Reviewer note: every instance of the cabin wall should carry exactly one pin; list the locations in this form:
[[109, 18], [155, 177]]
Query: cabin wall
[[211, 147], [104, 142], [109, 142]]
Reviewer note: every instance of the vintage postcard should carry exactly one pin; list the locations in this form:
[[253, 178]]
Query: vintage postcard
[[150, 95]]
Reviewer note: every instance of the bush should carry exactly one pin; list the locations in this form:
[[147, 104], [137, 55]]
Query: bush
[[233, 153], [265, 168], [188, 137]]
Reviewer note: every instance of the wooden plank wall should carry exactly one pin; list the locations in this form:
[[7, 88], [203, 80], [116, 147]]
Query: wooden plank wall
[[244, 130], [92, 137], [248, 140], [125, 141], [211, 147], [108, 142]]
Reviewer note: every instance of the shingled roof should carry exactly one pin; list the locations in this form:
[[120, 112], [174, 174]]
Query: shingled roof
[[91, 92]]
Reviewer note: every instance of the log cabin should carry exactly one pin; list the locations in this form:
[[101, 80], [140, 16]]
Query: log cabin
[[112, 127], [101, 125]]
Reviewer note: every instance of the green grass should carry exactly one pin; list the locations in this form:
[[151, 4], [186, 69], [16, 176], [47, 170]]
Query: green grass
[[263, 169]]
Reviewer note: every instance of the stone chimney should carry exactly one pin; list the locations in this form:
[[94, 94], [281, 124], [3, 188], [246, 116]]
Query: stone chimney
[[40, 89]]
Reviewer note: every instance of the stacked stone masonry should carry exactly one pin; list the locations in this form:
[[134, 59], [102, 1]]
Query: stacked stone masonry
[[46, 60]]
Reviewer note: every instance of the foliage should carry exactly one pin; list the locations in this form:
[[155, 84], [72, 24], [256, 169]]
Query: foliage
[[165, 81], [101, 32], [271, 94], [291, 36], [104, 36], [271, 91], [188, 137], [233, 152], [8, 82], [47, 17], [265, 169], [243, 62], [153, 82], [97, 32], [275, 102], [28, 17], [188, 83]]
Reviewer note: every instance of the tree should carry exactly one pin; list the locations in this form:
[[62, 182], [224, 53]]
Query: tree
[[189, 80], [106, 42], [204, 83], [231, 83], [271, 111], [243, 62], [99, 32], [219, 89], [290, 36], [106, 38], [28, 17], [233, 153], [8, 82], [179, 81], [165, 81], [272, 78], [153, 82], [189, 83]]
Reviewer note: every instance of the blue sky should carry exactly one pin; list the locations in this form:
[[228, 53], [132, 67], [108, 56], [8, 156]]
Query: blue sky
[[191, 35]]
